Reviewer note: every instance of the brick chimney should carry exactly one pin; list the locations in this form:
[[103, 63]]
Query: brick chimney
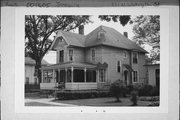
[[81, 29], [126, 34]]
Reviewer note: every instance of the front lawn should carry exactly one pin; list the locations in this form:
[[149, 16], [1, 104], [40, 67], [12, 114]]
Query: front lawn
[[108, 101]]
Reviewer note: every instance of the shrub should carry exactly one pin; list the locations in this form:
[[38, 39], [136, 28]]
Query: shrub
[[70, 95], [148, 90], [134, 97], [32, 88], [118, 89]]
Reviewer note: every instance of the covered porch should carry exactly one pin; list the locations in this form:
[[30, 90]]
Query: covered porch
[[69, 76]]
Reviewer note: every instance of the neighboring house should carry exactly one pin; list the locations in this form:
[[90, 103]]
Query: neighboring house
[[94, 61], [153, 74], [30, 77]]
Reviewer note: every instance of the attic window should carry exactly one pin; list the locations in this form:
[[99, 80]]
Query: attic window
[[60, 39], [101, 34]]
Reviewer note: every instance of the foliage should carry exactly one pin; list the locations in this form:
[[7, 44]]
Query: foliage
[[118, 89], [146, 29], [148, 90], [70, 95], [38, 29], [31, 88], [123, 19], [134, 94]]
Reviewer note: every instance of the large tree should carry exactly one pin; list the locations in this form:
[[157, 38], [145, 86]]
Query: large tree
[[146, 29], [39, 28]]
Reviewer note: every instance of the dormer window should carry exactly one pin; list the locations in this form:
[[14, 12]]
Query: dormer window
[[60, 39], [101, 35]]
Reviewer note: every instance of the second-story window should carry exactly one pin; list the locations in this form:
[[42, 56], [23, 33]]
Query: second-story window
[[118, 66], [125, 54], [61, 56], [135, 58], [93, 55], [70, 54]]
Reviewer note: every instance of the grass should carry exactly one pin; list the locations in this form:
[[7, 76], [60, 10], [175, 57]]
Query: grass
[[110, 101], [38, 104]]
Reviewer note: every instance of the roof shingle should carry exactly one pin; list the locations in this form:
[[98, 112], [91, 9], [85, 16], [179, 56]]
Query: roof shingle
[[112, 38]]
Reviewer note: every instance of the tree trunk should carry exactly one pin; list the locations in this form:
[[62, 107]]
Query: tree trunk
[[38, 70]]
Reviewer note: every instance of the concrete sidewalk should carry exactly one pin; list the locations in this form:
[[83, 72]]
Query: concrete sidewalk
[[46, 101]]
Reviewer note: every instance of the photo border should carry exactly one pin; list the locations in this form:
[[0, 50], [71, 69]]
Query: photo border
[[19, 58]]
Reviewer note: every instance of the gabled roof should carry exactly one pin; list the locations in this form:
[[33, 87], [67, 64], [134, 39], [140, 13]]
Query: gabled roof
[[30, 61], [112, 38]]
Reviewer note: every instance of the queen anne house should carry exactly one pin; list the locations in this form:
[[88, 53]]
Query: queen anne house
[[94, 61]]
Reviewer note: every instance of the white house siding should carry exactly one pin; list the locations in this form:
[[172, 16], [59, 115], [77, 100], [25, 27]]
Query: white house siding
[[66, 53], [78, 54], [98, 54], [151, 74], [29, 73], [139, 67], [111, 56], [142, 68]]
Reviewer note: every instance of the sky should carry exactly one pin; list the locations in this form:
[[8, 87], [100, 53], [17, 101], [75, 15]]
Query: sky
[[51, 55]]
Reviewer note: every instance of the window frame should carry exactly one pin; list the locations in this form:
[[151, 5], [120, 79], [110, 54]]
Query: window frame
[[61, 58], [102, 76], [119, 66], [135, 76], [93, 57], [72, 54], [124, 54], [135, 59], [101, 34]]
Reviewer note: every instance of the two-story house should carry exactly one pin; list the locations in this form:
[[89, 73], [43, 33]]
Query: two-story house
[[94, 61]]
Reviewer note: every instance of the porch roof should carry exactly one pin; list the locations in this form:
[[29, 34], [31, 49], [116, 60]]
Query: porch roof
[[69, 65], [128, 67]]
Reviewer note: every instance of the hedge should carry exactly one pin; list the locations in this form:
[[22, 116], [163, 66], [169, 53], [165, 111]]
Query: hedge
[[71, 95]]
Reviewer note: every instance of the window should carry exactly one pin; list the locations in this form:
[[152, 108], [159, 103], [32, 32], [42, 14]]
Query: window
[[60, 39], [70, 54], [101, 75], [27, 80], [125, 54], [93, 55], [135, 76], [118, 66], [135, 58], [101, 35], [61, 56]]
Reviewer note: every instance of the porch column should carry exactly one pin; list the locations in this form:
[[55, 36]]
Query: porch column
[[97, 75], [47, 77], [42, 74], [59, 73], [84, 74], [72, 76], [54, 75], [65, 75]]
